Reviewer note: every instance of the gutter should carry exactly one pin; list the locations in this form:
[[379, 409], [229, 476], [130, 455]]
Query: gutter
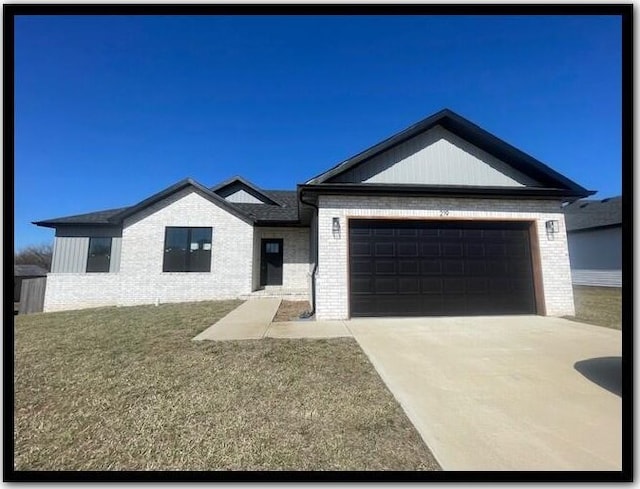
[[315, 265]]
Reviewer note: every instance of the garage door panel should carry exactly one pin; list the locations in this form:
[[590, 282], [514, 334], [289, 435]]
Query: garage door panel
[[360, 248], [429, 232], [384, 249], [409, 285], [474, 250], [477, 286], [361, 285], [408, 267], [430, 249], [451, 249], [451, 233], [415, 268], [385, 285], [383, 232], [454, 285], [432, 285], [499, 286], [453, 267], [361, 266], [408, 249], [431, 267], [385, 267], [494, 250], [475, 267], [407, 232]]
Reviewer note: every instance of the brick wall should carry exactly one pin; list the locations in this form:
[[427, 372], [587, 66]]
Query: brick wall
[[81, 290], [141, 279], [332, 280]]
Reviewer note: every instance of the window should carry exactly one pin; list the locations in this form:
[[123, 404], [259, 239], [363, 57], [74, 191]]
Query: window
[[187, 250], [272, 247], [99, 256]]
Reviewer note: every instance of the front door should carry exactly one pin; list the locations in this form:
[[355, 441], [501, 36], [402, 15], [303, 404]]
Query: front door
[[271, 262]]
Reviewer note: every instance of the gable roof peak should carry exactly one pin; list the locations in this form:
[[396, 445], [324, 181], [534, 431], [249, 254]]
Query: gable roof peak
[[238, 181], [472, 133]]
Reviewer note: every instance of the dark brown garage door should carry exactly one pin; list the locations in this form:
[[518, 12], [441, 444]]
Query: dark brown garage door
[[436, 268]]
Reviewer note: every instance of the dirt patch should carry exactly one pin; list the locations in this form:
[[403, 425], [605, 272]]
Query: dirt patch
[[291, 310]]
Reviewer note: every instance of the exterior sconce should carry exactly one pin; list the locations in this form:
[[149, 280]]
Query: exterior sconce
[[552, 227], [335, 225]]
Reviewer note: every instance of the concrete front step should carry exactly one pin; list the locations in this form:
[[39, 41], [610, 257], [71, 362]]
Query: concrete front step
[[278, 293]]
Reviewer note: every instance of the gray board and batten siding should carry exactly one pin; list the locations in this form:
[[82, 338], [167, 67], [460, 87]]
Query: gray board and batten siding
[[71, 247], [32, 295], [436, 157]]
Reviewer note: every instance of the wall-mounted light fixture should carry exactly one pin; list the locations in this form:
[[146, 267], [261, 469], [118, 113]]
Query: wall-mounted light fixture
[[553, 227], [335, 225]]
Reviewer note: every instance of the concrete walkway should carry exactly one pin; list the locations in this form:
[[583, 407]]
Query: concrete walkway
[[249, 321], [252, 320], [504, 393]]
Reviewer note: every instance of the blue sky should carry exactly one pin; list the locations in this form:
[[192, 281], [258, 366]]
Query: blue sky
[[111, 109]]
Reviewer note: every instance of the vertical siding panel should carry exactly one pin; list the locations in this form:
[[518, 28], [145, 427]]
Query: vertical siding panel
[[56, 256], [70, 255], [436, 157], [83, 254], [116, 246]]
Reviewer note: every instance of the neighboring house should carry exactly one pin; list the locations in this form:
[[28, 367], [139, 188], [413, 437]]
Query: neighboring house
[[594, 231], [23, 272], [442, 218]]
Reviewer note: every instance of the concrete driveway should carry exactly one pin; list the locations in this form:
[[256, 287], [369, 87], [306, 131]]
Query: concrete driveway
[[504, 393]]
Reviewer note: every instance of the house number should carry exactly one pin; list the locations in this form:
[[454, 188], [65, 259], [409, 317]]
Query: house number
[[444, 212]]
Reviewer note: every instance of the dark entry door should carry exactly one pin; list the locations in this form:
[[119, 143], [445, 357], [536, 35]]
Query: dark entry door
[[438, 268], [271, 262]]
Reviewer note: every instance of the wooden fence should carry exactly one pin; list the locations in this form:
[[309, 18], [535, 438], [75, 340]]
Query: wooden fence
[[32, 295]]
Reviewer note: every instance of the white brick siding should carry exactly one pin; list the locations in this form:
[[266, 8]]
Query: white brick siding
[[80, 290], [332, 294], [141, 279]]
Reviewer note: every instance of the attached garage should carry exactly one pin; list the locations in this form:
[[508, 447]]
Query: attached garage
[[440, 219], [437, 268]]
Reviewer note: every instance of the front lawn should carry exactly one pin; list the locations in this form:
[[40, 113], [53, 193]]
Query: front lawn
[[127, 389], [598, 305]]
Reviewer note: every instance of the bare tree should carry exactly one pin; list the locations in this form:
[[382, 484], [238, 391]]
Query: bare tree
[[40, 255]]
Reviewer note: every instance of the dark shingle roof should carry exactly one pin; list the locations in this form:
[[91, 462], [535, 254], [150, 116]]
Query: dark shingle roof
[[286, 211], [29, 271], [98, 218], [585, 214], [283, 210]]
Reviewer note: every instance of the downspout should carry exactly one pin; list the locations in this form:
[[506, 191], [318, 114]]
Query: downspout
[[315, 265]]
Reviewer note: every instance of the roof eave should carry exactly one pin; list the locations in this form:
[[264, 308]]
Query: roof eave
[[281, 223], [55, 224]]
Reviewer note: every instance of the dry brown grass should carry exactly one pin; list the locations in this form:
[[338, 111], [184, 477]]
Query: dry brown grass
[[598, 305], [126, 388], [291, 310]]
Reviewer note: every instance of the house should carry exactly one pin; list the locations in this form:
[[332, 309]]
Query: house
[[23, 272], [441, 218], [594, 233]]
